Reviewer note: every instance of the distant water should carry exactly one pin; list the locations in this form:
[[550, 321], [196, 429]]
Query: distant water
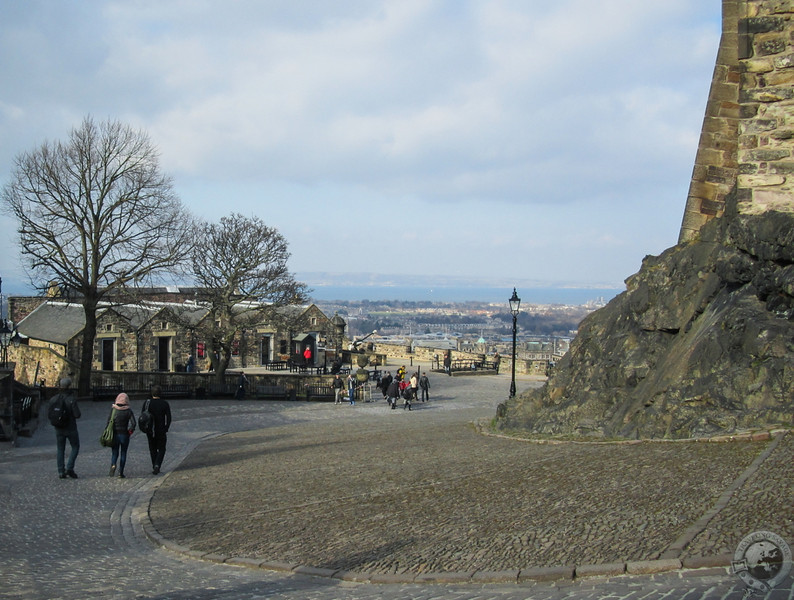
[[573, 296]]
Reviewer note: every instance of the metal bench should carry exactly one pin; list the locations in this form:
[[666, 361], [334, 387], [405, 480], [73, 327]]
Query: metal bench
[[319, 391], [106, 392], [277, 365], [221, 389], [176, 390], [273, 392]]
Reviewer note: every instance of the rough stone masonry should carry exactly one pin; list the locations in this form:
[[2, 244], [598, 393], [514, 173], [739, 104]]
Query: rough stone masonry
[[701, 343]]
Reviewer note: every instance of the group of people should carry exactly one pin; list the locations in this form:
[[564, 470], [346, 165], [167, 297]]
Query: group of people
[[392, 388], [124, 424], [397, 387], [338, 386]]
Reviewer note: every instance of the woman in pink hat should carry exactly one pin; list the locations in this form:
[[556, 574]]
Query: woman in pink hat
[[123, 425]]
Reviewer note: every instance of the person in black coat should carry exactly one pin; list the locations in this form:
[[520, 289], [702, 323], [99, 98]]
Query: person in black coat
[[424, 385], [68, 432], [385, 383], [158, 435], [393, 393]]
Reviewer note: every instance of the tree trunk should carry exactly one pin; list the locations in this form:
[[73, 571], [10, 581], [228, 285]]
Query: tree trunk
[[223, 364], [87, 348]]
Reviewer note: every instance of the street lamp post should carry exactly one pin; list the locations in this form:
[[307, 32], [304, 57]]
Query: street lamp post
[[8, 335], [5, 339], [515, 303]]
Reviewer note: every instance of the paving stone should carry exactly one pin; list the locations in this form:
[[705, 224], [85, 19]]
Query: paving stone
[[714, 560], [646, 567], [545, 574], [495, 576], [99, 540], [600, 570], [451, 577]]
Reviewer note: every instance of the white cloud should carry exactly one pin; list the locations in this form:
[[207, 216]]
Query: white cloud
[[510, 123]]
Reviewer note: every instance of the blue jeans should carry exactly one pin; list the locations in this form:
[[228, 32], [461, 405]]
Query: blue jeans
[[120, 445], [61, 435]]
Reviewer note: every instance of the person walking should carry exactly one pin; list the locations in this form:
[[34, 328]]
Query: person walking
[[351, 389], [393, 393], [424, 385], [67, 402], [448, 363], [161, 422], [385, 383], [123, 426], [414, 386], [406, 392], [338, 386], [497, 360], [242, 381]]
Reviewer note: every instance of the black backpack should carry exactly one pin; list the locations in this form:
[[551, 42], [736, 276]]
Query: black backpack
[[58, 413], [145, 420]]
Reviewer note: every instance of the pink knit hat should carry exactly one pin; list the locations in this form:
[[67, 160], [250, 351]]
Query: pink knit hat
[[122, 400]]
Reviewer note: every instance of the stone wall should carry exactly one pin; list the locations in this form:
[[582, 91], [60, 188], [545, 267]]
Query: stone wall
[[766, 130], [746, 138], [20, 307], [40, 362], [400, 353]]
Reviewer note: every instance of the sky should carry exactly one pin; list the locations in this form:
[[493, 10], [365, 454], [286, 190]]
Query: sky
[[509, 141]]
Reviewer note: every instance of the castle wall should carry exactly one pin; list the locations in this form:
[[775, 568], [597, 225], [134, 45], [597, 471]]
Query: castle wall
[[766, 130], [746, 138]]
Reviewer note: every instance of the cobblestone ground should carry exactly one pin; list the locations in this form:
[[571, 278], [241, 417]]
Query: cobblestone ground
[[387, 491], [411, 492], [765, 502]]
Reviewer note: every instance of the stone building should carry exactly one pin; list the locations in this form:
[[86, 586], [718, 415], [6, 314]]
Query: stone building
[[152, 337]]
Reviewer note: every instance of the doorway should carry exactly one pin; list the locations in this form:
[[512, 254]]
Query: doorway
[[164, 354], [264, 350], [108, 354]]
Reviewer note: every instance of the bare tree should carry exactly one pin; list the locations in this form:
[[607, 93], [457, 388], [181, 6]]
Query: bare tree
[[241, 270], [95, 214]]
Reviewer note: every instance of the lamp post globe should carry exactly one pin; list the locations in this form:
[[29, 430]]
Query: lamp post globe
[[515, 305]]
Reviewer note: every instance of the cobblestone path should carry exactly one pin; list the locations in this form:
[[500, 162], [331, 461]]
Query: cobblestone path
[[394, 494]]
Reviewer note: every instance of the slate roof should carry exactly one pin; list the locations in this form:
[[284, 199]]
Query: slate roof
[[136, 315], [59, 322], [55, 322]]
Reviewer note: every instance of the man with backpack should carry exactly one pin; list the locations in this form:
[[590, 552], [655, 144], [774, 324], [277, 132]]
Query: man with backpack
[[63, 413], [157, 429]]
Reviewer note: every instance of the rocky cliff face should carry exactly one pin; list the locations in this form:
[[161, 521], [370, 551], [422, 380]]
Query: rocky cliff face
[[701, 343]]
